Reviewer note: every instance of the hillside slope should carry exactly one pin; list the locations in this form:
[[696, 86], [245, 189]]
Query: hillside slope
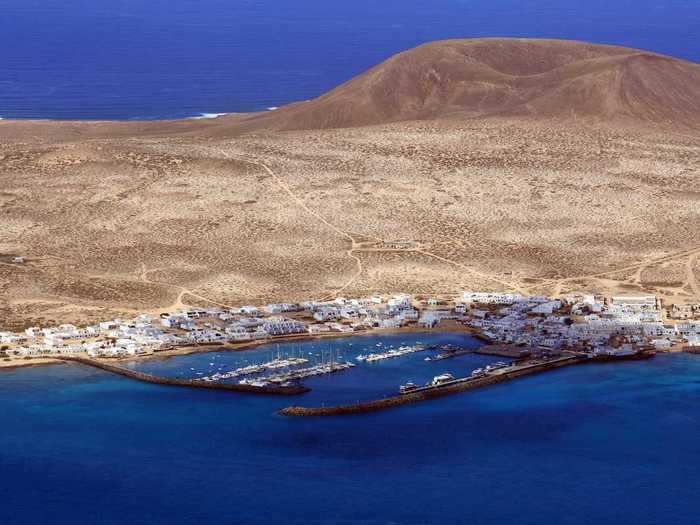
[[505, 77]]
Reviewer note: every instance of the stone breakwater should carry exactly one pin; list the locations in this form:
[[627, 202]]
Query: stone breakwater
[[188, 383], [432, 393]]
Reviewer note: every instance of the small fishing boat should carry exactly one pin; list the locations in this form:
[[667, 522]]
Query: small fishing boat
[[408, 387]]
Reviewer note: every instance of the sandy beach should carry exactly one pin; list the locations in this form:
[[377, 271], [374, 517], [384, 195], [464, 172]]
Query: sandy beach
[[8, 364]]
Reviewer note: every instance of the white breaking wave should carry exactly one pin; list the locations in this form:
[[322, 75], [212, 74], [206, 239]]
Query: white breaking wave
[[272, 108], [208, 115]]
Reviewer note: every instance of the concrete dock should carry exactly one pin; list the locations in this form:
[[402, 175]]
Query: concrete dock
[[453, 387], [505, 350]]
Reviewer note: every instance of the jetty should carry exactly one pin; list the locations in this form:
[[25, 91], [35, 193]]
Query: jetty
[[506, 350], [445, 389], [449, 352], [255, 369], [301, 373], [454, 386], [268, 389], [391, 354]]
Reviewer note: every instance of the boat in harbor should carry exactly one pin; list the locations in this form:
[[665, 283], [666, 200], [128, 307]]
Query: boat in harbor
[[446, 378], [301, 373], [390, 354], [449, 351], [496, 366], [243, 371], [442, 379], [437, 381], [408, 387], [253, 382]]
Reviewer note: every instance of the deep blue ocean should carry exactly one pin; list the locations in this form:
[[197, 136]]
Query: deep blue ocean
[[613, 444], [149, 59], [606, 444]]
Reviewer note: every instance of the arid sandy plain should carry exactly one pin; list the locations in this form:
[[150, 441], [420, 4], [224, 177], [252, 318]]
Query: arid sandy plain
[[116, 219], [114, 226]]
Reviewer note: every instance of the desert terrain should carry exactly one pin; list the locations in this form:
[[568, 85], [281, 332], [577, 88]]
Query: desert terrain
[[577, 170]]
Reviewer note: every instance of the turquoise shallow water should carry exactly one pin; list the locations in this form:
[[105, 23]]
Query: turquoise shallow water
[[614, 443]]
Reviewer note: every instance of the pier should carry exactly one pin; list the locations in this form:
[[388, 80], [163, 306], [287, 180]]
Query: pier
[[449, 353], [255, 369], [506, 350], [424, 394], [391, 354], [302, 373], [271, 389]]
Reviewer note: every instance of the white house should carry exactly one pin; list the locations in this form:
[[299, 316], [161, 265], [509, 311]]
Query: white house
[[283, 326], [326, 314], [248, 310], [491, 298], [400, 302], [636, 302], [316, 329], [273, 309], [547, 308]]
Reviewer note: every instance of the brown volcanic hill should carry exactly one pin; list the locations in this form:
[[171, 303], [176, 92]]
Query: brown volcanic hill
[[505, 77]]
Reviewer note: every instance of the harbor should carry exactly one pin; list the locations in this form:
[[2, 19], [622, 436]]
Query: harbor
[[445, 384], [532, 333], [297, 368], [440, 389], [282, 370], [329, 369]]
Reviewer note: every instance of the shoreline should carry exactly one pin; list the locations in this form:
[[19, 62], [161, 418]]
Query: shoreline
[[449, 327], [13, 364], [134, 120]]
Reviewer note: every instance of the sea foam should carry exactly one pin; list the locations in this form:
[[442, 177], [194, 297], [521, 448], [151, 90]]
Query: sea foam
[[208, 115]]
